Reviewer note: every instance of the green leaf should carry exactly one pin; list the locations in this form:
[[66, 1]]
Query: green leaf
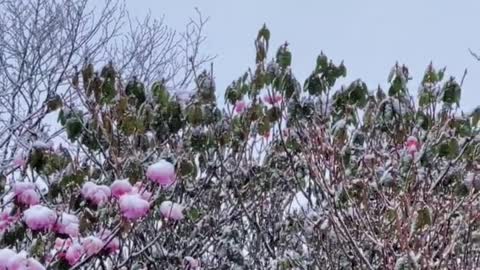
[[274, 114], [175, 121], [449, 149], [451, 92], [160, 93], [37, 247], [424, 218], [73, 180], [322, 61], [108, 91], [358, 93], [187, 168], [73, 127], [426, 98], [314, 85], [37, 159], [232, 95], [194, 214], [264, 126], [133, 170], [390, 215], [284, 56], [11, 236], [195, 115], [255, 112], [265, 33], [136, 89], [54, 103], [423, 120]]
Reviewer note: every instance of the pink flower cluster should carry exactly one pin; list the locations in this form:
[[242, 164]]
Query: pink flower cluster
[[162, 173], [133, 206], [67, 225], [120, 187], [133, 200], [273, 99], [6, 220], [39, 218], [240, 106], [25, 193], [171, 210], [10, 260], [412, 145], [95, 194], [73, 251]]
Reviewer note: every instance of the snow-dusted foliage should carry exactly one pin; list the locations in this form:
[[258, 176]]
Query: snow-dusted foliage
[[283, 176]]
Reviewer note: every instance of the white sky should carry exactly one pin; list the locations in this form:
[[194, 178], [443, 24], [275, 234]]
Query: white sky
[[369, 35]]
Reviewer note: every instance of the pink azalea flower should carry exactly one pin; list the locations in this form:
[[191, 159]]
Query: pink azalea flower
[[20, 187], [29, 197], [162, 172], [140, 189], [17, 262], [6, 220], [67, 224], [74, 253], [412, 145], [120, 187], [273, 100], [133, 206], [114, 245], [240, 106], [96, 194], [171, 210], [39, 218], [33, 264], [25, 193], [92, 245], [6, 255]]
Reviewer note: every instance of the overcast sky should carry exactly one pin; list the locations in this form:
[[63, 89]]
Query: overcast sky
[[369, 35]]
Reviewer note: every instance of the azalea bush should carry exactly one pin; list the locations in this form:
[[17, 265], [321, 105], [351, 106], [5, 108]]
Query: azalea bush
[[283, 175]]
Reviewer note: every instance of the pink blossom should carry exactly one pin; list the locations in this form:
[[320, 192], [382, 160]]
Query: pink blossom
[[133, 206], [39, 218], [74, 253], [67, 224], [272, 100], [33, 264], [162, 172], [6, 255], [139, 188], [29, 197], [412, 145], [120, 187], [171, 210], [240, 106], [25, 193], [191, 263], [17, 262], [96, 194], [92, 245], [112, 246], [6, 220], [20, 187]]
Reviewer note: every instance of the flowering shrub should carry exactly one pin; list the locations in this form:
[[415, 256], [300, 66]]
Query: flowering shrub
[[301, 177]]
